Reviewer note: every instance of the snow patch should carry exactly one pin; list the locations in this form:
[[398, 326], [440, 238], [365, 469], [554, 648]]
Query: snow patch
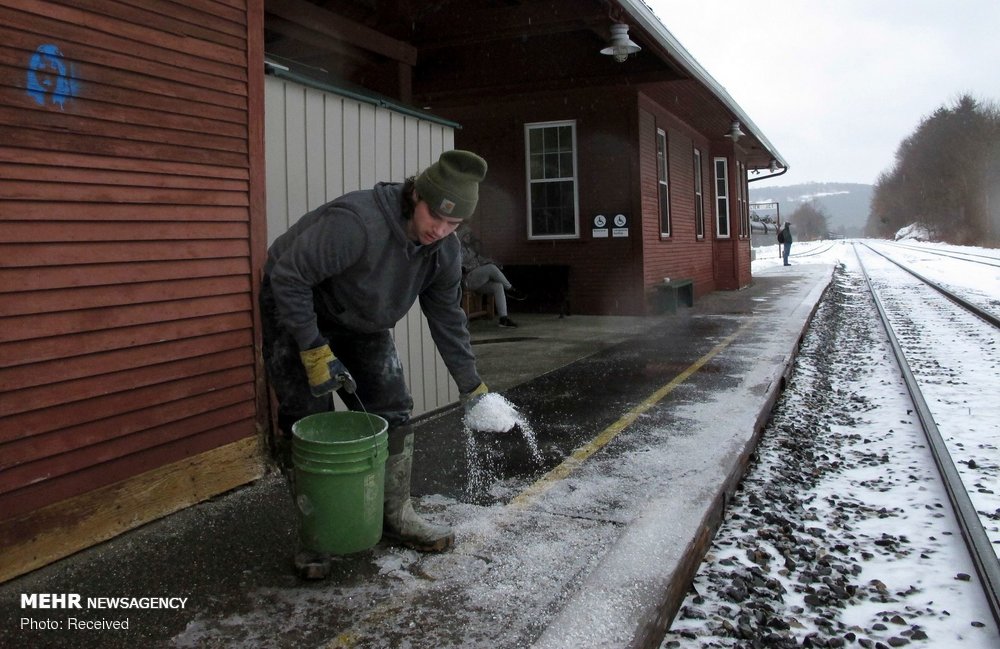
[[913, 231]]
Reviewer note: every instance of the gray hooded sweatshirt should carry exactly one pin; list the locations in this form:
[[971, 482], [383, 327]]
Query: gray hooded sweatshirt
[[351, 264]]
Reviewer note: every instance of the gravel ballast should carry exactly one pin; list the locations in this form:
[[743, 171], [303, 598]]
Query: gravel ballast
[[840, 534]]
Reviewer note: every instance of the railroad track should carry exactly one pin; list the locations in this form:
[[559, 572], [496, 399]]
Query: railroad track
[[812, 252], [956, 428], [987, 260], [961, 300]]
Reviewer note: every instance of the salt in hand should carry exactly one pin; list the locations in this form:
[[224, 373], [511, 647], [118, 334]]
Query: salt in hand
[[492, 414]]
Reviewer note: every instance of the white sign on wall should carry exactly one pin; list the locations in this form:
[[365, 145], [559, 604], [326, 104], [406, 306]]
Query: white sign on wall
[[621, 226], [600, 230]]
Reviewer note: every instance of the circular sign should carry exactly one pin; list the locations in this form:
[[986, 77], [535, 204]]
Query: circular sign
[[620, 220], [600, 221]]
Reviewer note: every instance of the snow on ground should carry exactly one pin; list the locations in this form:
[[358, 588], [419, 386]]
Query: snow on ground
[[952, 374], [840, 533]]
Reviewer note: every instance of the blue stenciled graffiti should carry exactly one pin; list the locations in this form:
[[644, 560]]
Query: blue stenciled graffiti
[[49, 78]]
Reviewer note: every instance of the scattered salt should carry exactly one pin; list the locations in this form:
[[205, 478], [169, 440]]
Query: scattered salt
[[492, 414]]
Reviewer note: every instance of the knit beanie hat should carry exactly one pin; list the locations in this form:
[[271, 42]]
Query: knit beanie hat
[[450, 186]]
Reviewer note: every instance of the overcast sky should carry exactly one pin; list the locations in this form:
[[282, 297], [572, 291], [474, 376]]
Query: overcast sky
[[836, 85]]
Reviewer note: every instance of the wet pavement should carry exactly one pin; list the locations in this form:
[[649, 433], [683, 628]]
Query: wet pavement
[[642, 426]]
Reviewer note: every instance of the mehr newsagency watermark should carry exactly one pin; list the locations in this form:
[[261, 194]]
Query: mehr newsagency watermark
[[35, 603]]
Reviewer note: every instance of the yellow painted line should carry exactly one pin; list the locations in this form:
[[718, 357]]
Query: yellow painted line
[[580, 455]]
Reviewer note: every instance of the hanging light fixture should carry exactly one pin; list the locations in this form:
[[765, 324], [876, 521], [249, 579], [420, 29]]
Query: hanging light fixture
[[620, 45], [735, 132]]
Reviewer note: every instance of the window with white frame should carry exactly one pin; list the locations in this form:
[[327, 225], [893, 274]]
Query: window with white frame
[[663, 185], [722, 197], [745, 214], [699, 204], [553, 209], [740, 197]]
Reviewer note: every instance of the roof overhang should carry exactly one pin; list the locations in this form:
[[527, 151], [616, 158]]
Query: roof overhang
[[480, 51], [654, 29]]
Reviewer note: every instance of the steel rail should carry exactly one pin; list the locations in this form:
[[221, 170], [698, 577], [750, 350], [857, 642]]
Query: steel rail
[[961, 256], [985, 315], [983, 556]]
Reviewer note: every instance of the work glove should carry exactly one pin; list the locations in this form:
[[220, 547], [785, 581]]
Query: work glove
[[326, 372], [470, 399]]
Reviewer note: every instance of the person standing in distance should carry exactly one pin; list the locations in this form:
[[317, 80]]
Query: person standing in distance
[[785, 240], [334, 286]]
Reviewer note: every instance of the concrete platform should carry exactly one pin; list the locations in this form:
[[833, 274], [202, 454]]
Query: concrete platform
[[583, 535]]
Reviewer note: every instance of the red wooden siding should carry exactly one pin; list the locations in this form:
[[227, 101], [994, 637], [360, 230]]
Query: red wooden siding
[[127, 330], [682, 255]]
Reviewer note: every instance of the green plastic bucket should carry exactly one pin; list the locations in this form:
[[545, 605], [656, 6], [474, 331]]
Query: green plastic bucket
[[339, 460]]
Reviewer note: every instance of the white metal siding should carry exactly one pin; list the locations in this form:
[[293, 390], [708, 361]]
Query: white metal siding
[[320, 145]]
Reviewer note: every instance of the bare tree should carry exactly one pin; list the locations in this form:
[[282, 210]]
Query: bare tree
[[809, 221]]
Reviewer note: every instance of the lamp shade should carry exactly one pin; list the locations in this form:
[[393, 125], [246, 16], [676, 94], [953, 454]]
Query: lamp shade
[[620, 45], [735, 132]]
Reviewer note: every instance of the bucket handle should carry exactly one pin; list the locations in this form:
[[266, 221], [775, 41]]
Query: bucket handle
[[371, 424]]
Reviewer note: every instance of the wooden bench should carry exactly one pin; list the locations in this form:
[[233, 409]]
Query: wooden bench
[[669, 294], [477, 305]]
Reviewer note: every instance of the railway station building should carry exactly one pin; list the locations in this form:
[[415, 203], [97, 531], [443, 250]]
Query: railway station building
[[151, 152]]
